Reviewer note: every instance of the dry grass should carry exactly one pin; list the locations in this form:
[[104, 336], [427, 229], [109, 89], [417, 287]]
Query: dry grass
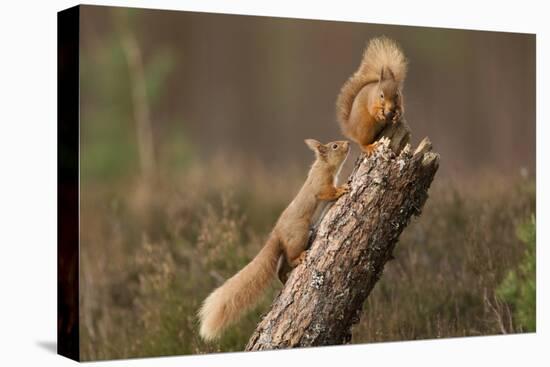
[[449, 264], [149, 256]]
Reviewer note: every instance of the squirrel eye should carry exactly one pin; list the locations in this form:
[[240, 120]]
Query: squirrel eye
[[382, 95], [335, 146]]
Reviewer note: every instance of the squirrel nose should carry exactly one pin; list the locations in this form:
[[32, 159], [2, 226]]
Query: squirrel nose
[[390, 113]]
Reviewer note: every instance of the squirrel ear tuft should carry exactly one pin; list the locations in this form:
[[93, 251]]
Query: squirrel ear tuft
[[391, 74], [386, 73], [313, 144]]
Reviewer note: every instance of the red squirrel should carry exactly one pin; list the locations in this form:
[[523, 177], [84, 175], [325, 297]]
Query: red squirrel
[[373, 96], [288, 240]]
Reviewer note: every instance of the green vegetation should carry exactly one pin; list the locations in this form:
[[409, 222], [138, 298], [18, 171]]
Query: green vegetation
[[519, 286]]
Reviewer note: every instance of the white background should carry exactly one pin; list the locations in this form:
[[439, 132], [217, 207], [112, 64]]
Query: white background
[[28, 182]]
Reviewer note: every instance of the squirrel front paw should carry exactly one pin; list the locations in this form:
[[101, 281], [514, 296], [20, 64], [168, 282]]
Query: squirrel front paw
[[344, 189], [396, 116]]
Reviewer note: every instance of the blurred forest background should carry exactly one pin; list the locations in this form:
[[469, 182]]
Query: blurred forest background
[[192, 129]]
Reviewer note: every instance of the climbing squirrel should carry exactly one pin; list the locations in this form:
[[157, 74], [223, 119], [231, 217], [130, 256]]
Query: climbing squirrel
[[372, 97], [288, 239]]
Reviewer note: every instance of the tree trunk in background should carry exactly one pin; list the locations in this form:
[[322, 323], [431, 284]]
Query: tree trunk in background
[[140, 102], [323, 296]]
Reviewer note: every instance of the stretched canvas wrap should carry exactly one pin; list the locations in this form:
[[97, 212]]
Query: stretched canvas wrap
[[236, 183]]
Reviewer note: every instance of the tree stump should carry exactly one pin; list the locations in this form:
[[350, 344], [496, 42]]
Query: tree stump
[[323, 296]]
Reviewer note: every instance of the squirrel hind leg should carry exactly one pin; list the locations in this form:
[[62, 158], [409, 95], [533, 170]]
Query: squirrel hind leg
[[284, 266], [283, 269], [298, 260]]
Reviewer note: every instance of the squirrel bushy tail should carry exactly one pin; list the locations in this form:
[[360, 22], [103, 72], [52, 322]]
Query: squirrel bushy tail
[[239, 293], [381, 55]]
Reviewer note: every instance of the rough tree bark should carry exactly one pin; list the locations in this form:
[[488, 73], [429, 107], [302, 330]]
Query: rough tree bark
[[323, 296]]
